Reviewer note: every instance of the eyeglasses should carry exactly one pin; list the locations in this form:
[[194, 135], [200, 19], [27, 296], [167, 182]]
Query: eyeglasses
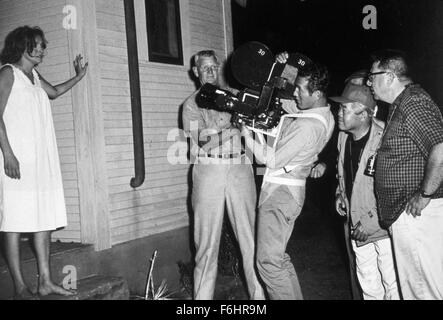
[[210, 68], [372, 74]]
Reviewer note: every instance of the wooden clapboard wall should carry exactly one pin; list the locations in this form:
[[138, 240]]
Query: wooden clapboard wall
[[56, 68], [161, 203]]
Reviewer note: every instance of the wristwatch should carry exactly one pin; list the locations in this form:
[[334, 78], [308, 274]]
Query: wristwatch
[[423, 194]]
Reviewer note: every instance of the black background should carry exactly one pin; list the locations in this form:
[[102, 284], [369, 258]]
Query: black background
[[332, 33]]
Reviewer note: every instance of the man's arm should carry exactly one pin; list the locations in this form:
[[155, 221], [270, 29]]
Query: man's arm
[[434, 170], [216, 140], [431, 182], [194, 126], [424, 124], [295, 143], [327, 158], [260, 151]]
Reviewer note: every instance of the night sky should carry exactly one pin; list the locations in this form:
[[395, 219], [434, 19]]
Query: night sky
[[332, 33]]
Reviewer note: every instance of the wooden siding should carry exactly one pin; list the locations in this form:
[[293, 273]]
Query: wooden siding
[[160, 204], [48, 14]]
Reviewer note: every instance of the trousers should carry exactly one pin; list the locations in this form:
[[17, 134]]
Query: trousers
[[355, 286], [376, 270], [276, 218], [215, 185], [418, 250]]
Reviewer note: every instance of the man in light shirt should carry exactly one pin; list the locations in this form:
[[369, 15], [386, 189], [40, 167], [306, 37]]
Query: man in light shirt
[[355, 198], [221, 178], [302, 135]]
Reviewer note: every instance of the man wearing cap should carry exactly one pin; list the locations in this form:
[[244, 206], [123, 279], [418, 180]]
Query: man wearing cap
[[355, 198], [302, 135]]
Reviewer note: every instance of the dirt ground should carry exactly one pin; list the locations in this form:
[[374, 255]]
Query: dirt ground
[[317, 250]]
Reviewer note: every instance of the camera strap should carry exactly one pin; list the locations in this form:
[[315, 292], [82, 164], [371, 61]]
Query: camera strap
[[285, 181], [273, 177], [304, 115]]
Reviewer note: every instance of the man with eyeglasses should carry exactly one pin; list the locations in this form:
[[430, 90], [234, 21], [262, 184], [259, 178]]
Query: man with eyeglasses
[[221, 177], [409, 175], [355, 198]]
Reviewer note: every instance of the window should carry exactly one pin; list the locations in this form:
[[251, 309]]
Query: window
[[164, 31]]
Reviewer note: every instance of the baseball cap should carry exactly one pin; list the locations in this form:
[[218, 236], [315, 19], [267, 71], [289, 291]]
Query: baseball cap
[[356, 93], [358, 77]]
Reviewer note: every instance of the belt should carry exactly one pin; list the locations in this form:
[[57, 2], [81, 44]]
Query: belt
[[285, 181], [225, 156]]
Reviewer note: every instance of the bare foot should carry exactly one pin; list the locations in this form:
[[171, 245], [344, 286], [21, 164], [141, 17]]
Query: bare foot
[[50, 288], [25, 294]]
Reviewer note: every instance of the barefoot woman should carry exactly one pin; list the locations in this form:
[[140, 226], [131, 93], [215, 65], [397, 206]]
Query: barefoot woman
[[31, 190]]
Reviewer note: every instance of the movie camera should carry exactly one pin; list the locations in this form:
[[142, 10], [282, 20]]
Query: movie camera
[[258, 106]]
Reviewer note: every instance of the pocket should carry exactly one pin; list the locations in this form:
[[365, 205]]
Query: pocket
[[370, 222], [292, 210], [295, 198], [434, 207], [281, 202]]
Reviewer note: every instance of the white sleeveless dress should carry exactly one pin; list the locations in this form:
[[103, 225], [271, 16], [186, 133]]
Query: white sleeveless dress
[[36, 202]]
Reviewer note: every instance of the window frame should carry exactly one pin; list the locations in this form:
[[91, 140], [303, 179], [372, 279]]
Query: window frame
[[145, 33]]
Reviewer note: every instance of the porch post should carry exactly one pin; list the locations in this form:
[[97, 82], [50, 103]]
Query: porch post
[[89, 130]]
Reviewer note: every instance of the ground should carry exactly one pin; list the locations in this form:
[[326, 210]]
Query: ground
[[316, 248], [318, 254]]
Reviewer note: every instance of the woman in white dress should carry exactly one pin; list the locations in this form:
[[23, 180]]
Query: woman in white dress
[[31, 189]]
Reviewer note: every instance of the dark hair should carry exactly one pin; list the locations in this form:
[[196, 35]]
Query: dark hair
[[317, 76], [392, 60], [20, 40]]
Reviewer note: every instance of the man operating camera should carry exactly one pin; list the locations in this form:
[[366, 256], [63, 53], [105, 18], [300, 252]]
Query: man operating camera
[[302, 134]]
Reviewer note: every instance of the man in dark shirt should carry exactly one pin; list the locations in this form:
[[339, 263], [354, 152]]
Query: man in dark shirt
[[409, 175]]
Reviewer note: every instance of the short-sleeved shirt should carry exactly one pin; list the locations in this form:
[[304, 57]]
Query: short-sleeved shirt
[[415, 126], [200, 122]]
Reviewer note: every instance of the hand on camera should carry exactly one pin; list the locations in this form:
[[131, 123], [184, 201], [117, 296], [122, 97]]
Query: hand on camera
[[245, 132], [282, 57]]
